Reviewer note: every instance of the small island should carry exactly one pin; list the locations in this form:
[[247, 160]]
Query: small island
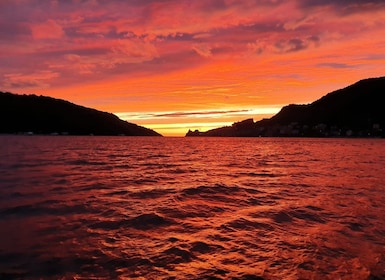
[[32, 114], [354, 111]]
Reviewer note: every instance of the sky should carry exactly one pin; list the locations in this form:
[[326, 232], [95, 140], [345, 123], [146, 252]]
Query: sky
[[175, 65]]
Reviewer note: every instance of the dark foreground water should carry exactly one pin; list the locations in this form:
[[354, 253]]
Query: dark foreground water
[[191, 208]]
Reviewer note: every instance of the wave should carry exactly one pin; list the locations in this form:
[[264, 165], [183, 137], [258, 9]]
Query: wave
[[245, 209], [146, 221]]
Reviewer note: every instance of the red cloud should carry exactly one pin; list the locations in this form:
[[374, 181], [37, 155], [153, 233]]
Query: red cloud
[[47, 30]]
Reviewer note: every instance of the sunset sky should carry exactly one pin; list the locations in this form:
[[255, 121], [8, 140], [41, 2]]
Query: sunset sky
[[174, 65]]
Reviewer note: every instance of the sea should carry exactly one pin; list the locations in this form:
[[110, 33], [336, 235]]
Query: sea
[[74, 207]]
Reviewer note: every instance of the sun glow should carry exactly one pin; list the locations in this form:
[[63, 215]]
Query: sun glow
[[180, 129], [177, 123]]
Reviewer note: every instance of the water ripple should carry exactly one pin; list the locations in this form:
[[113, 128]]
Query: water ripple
[[176, 208]]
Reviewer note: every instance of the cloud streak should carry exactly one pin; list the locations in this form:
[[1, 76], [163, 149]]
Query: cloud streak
[[198, 113]]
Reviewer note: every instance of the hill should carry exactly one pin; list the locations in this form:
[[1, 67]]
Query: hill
[[46, 115], [354, 111]]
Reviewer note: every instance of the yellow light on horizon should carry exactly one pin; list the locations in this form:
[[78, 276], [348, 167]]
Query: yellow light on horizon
[[173, 123], [180, 129]]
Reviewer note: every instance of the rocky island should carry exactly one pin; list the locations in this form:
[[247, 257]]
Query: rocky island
[[32, 114], [354, 111]]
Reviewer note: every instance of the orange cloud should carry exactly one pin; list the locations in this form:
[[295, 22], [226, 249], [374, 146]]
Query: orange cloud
[[203, 50], [32, 80], [153, 57]]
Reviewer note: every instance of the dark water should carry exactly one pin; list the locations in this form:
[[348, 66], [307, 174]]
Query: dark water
[[191, 208]]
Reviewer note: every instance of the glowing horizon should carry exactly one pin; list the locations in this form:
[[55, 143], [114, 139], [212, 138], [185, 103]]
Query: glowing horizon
[[178, 123], [177, 65]]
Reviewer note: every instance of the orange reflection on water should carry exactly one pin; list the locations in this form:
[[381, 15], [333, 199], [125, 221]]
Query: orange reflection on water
[[156, 208]]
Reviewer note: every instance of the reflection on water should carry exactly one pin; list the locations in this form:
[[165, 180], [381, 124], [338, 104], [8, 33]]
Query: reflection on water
[[191, 208]]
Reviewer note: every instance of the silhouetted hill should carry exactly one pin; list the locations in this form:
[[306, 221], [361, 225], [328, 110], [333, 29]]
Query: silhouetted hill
[[357, 111], [46, 115]]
